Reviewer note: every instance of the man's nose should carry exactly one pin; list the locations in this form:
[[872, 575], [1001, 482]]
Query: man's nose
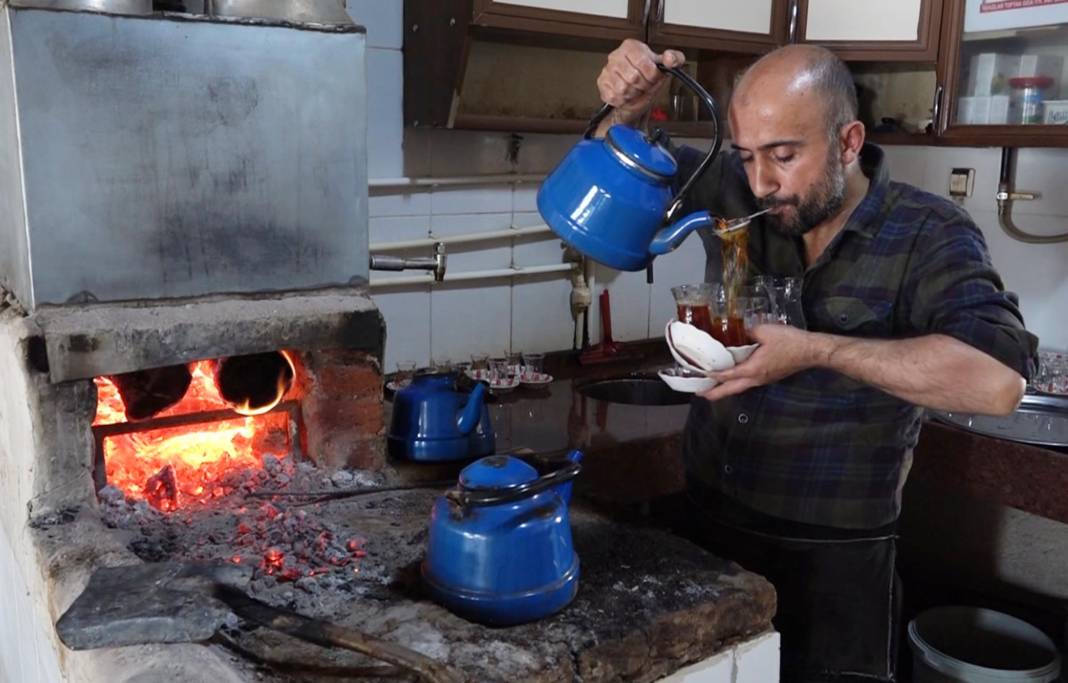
[[764, 181]]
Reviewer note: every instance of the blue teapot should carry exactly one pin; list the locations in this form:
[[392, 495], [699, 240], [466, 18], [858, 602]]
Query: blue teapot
[[499, 550], [610, 199], [433, 421]]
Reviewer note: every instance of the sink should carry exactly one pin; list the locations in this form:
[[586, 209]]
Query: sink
[[639, 390]]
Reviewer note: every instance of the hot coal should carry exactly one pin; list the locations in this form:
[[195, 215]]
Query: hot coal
[[296, 553]]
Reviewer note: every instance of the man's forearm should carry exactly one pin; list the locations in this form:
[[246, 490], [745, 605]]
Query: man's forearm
[[934, 371]]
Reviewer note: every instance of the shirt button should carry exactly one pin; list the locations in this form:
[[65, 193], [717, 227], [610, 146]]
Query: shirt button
[[727, 469], [743, 418], [843, 318]]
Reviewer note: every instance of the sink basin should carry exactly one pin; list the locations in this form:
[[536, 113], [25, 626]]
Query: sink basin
[[638, 390]]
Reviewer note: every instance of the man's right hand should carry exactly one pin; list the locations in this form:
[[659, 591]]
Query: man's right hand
[[630, 81]]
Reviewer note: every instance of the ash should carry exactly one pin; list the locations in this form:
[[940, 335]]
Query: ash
[[308, 558]]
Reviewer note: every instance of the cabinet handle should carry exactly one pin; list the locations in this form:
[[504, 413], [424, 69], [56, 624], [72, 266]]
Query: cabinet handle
[[791, 33], [660, 11], [645, 13], [936, 110]]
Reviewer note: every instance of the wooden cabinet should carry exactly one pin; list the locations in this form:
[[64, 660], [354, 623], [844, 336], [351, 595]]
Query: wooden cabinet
[[989, 57], [602, 20], [872, 30], [531, 65], [753, 26]]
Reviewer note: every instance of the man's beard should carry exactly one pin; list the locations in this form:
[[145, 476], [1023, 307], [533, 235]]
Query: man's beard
[[825, 200]]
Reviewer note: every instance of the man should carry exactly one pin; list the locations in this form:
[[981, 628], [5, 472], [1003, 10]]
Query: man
[[796, 460]]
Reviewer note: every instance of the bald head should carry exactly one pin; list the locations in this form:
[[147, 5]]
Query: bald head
[[802, 72]]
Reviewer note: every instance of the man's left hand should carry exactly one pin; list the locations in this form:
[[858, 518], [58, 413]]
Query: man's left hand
[[783, 351]]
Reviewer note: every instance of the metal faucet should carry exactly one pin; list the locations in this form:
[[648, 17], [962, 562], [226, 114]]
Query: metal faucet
[[435, 263]]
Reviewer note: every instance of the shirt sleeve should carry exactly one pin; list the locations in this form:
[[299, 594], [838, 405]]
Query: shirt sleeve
[[954, 290]]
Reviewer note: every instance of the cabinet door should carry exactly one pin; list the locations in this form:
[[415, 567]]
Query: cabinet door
[[1004, 69], [872, 30], [601, 20], [721, 25]]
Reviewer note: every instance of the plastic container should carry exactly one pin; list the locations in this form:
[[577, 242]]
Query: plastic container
[[975, 645], [1056, 112], [1028, 93]]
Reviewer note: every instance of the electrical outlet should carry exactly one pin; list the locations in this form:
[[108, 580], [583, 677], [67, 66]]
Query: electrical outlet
[[961, 182]]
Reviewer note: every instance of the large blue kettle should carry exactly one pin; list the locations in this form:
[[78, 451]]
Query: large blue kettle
[[610, 199], [434, 421], [499, 550]]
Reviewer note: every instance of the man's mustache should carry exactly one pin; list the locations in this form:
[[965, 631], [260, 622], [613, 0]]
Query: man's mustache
[[772, 202]]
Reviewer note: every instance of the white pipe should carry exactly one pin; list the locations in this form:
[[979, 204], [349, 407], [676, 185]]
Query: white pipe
[[514, 271], [514, 178], [460, 239]]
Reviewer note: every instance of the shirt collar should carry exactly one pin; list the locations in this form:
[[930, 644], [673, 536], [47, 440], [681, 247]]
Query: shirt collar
[[867, 217]]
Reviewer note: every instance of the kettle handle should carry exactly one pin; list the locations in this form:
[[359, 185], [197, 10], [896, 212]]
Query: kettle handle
[[467, 498], [717, 140]]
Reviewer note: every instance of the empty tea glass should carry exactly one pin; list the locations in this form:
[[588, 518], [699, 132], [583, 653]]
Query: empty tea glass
[[441, 365], [405, 371], [498, 370], [784, 297], [515, 364], [480, 365], [533, 363]]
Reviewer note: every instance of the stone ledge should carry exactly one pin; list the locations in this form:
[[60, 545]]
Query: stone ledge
[[91, 340]]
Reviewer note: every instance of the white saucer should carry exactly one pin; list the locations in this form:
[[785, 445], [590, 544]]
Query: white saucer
[[688, 384], [505, 386], [740, 353], [535, 379]]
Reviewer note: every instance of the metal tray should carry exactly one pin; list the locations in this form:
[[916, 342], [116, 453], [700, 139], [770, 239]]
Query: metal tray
[[1041, 420]]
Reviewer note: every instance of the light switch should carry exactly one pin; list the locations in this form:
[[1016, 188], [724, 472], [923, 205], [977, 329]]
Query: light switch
[[961, 182]]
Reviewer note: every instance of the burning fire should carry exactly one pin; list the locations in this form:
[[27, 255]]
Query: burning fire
[[173, 466]]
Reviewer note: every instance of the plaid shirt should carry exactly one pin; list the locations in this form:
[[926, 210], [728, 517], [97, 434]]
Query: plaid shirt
[[818, 447]]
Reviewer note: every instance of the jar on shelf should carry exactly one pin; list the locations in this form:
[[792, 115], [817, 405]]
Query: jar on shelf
[[1028, 93]]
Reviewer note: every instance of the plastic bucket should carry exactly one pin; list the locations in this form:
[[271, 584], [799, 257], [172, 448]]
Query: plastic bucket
[[975, 645]]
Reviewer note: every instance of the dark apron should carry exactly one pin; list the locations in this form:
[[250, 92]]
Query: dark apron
[[839, 598]]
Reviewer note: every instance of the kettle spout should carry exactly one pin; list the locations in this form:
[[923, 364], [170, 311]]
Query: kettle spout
[[669, 238], [472, 411]]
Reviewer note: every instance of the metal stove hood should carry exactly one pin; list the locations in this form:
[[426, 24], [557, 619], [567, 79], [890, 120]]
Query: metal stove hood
[[160, 155]]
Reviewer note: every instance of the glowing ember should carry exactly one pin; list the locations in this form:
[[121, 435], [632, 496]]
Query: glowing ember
[[173, 466]]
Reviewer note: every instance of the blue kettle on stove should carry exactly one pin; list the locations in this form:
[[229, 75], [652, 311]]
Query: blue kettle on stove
[[499, 551], [433, 421], [611, 199]]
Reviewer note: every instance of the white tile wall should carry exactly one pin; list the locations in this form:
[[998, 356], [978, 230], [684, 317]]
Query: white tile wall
[[385, 115], [1037, 273]]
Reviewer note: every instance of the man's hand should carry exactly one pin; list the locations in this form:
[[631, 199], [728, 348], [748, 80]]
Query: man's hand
[[630, 80], [783, 351]]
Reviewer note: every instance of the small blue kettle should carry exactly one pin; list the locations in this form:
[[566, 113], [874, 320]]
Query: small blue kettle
[[433, 421], [610, 199], [499, 551]]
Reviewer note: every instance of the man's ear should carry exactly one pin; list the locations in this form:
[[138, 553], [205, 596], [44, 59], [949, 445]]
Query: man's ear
[[851, 140]]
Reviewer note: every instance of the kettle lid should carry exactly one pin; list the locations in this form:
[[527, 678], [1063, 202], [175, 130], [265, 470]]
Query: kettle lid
[[497, 471], [634, 149]]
